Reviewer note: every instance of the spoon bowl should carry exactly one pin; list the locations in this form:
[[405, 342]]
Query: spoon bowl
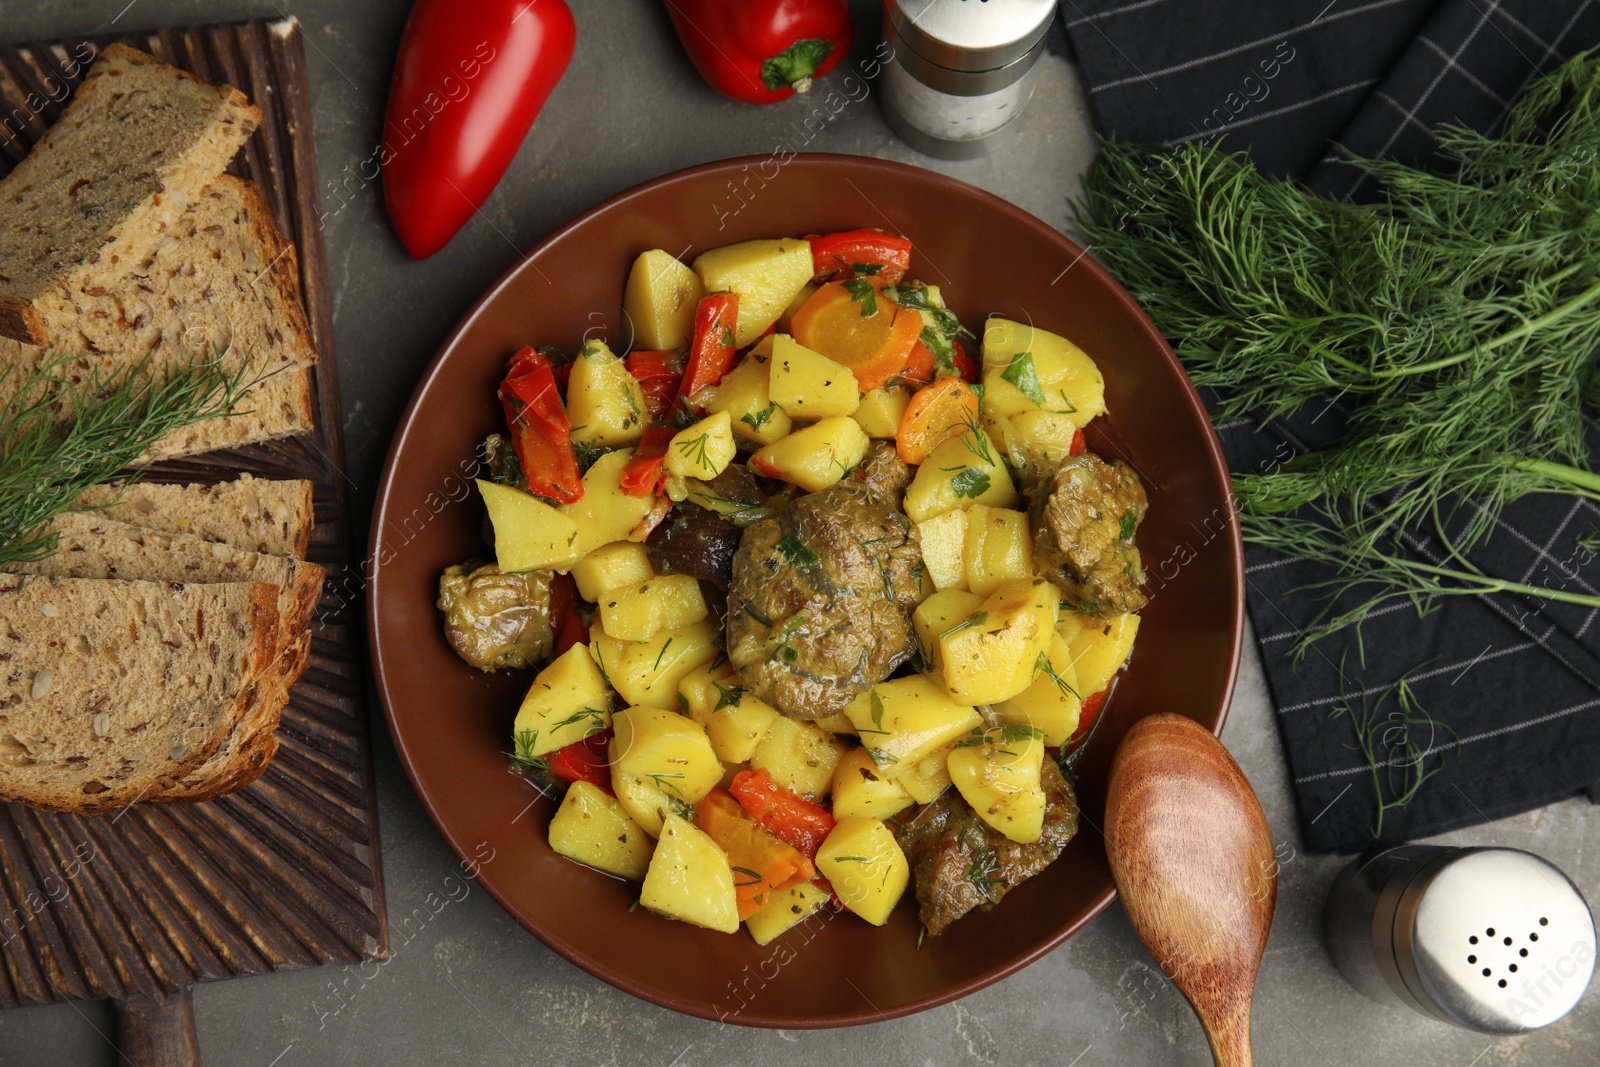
[[1192, 858]]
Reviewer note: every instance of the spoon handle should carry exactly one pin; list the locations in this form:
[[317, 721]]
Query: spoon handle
[[1229, 1035]]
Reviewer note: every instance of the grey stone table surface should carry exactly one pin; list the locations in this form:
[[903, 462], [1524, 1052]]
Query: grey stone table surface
[[465, 983]]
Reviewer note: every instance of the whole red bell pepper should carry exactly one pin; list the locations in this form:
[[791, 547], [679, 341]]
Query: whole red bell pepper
[[541, 433], [468, 83], [837, 255], [711, 351], [762, 51]]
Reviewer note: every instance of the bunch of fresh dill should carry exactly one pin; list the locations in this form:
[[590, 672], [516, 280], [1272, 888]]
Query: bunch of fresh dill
[[1455, 323], [59, 437]]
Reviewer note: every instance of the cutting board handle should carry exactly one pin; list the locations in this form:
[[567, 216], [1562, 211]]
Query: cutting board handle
[[158, 1031]]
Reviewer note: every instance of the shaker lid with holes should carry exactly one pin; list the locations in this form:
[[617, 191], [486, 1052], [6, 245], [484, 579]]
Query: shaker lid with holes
[[1501, 941], [970, 35]]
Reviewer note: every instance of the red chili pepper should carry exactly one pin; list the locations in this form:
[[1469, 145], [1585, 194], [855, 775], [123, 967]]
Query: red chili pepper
[[659, 375], [792, 819], [711, 352], [1091, 708], [468, 83], [642, 474], [584, 761], [835, 256], [541, 434], [762, 51]]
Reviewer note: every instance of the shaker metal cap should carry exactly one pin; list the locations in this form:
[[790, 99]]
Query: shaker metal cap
[[970, 35], [1502, 940]]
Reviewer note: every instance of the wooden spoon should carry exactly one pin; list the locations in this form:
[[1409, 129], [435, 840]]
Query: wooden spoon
[[1193, 860]]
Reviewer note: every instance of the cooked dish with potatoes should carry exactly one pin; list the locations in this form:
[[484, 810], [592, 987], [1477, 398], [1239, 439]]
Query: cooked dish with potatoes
[[819, 607]]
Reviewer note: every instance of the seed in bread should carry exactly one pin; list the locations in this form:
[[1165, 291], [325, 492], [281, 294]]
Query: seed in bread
[[139, 141]]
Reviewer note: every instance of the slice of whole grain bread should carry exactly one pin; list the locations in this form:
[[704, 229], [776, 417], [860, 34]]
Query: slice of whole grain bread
[[255, 514], [139, 141], [90, 545], [111, 690]]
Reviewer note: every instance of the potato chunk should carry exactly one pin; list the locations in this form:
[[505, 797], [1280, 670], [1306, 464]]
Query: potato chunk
[[639, 612], [667, 749], [660, 300], [809, 385], [994, 654], [944, 539], [787, 909], [767, 275], [1052, 702], [528, 533], [928, 777], [702, 451], [1099, 647], [865, 866], [604, 402], [606, 513], [745, 394], [1026, 369], [998, 548], [609, 566], [999, 778], [567, 702], [965, 470], [592, 828], [815, 457], [689, 879], [904, 719], [881, 410], [799, 756], [734, 720], [649, 672], [859, 789]]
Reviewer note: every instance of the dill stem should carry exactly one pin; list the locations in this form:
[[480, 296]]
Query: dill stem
[[1490, 584], [1560, 472], [1554, 315]]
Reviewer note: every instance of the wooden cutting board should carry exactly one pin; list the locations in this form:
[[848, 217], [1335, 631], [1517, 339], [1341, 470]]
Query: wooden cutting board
[[141, 905]]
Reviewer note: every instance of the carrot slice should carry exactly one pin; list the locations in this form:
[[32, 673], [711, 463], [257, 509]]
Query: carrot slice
[[851, 323], [761, 863], [936, 413]]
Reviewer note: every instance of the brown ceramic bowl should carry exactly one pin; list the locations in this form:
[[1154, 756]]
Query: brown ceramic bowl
[[452, 724]]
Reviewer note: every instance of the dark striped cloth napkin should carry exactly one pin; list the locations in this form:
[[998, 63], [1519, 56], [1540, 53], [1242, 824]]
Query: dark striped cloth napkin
[[1506, 714]]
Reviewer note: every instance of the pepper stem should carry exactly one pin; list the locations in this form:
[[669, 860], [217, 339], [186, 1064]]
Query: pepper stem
[[795, 66]]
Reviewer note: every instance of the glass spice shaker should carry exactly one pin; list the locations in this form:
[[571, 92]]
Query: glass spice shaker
[[962, 71]]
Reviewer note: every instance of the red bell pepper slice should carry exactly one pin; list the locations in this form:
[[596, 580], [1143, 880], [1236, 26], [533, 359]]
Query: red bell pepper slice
[[659, 375], [1078, 445], [762, 51], [584, 761], [468, 83], [642, 474], [541, 433], [836, 255], [792, 819], [1086, 716], [565, 623], [712, 351]]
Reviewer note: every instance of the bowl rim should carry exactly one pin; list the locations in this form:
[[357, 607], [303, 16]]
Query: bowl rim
[[408, 424]]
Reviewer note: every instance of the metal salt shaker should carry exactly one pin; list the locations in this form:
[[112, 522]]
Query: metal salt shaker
[[962, 71], [1490, 939]]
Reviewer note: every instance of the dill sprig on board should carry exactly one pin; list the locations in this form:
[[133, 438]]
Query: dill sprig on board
[[1394, 746], [59, 437], [1454, 324]]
